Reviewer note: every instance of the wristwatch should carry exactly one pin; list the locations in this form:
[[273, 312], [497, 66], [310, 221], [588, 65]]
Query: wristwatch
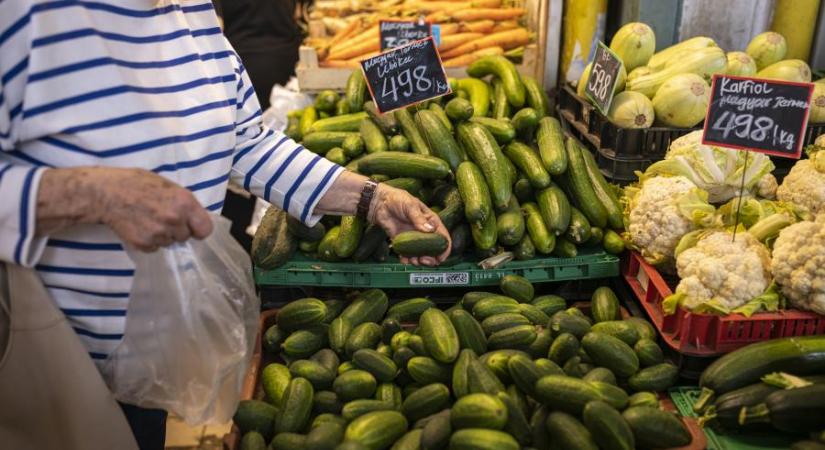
[[367, 193]]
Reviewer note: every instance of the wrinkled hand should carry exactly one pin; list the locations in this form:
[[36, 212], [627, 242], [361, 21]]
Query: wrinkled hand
[[148, 211], [396, 210]]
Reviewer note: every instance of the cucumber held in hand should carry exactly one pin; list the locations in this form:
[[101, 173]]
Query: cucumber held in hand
[[417, 243]]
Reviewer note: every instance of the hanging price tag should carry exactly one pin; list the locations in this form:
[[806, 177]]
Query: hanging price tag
[[767, 116], [405, 75], [604, 72], [395, 33]]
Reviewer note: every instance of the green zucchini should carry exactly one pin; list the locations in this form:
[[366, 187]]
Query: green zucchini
[[374, 140], [529, 163], [459, 109], [581, 187], [502, 68], [603, 192], [502, 131], [478, 93], [355, 91], [484, 151], [542, 239], [726, 409], [474, 193], [440, 138], [398, 164], [417, 142], [510, 224], [555, 209], [551, 146], [417, 243]]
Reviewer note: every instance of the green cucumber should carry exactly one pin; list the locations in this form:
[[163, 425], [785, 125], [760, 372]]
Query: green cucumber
[[470, 332], [325, 436], [352, 228], [536, 96], [481, 439], [417, 345], [654, 428], [475, 194], [426, 370], [600, 374], [645, 398], [301, 313], [428, 400], [603, 192], [569, 433], [460, 375], [535, 315], [517, 424], [320, 376], [525, 249], [523, 190], [525, 122], [364, 336], [399, 143], [349, 122], [621, 329], [540, 438], [354, 384], [613, 242], [399, 164], [555, 209], [410, 310], [339, 331], [607, 427], [377, 430], [440, 138], [543, 240], [469, 299], [502, 131], [478, 94], [321, 142], [517, 287], [529, 163], [326, 100], [525, 373], [417, 243], [253, 441], [566, 393], [342, 107], [303, 343], [503, 321], [309, 117], [567, 322], [460, 237], [380, 366], [296, 407], [611, 394], [510, 226], [485, 235], [289, 441], [370, 241], [459, 109], [564, 347], [484, 151], [549, 304], [565, 248], [519, 336], [305, 233], [604, 305], [410, 441], [478, 411], [418, 143], [337, 156], [274, 380], [386, 122], [481, 379], [578, 231], [357, 408], [374, 140], [369, 306], [649, 353], [355, 91], [654, 378], [551, 146], [501, 108], [390, 393], [435, 435], [581, 187], [326, 248], [439, 335], [273, 338], [496, 304], [255, 415], [612, 353], [506, 71], [442, 116], [353, 147]]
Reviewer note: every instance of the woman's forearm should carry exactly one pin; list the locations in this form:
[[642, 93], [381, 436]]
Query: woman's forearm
[[66, 197], [341, 199]]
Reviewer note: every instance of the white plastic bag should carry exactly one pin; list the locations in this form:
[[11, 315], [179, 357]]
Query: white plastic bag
[[283, 99], [190, 329]]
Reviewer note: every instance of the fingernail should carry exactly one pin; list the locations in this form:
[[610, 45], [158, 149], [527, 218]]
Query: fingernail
[[429, 227]]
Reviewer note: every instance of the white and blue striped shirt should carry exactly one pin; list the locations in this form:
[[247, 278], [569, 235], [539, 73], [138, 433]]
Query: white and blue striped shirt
[[151, 84]]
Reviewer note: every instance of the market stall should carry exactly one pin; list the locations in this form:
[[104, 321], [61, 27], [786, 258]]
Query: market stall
[[632, 266]]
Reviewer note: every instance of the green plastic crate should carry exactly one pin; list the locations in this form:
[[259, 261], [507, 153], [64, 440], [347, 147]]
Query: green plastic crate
[[303, 271], [685, 397]]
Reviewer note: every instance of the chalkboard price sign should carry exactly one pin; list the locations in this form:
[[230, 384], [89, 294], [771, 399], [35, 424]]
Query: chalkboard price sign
[[395, 33], [405, 75], [767, 116], [604, 72]]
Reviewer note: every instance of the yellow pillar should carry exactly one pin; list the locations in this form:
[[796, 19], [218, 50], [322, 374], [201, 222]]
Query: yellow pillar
[[583, 27], [796, 20]]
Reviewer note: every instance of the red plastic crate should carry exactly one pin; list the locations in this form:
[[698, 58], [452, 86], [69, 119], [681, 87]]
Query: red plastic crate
[[707, 334]]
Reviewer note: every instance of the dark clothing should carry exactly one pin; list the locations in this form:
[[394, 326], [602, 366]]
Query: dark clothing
[[148, 426], [266, 37]]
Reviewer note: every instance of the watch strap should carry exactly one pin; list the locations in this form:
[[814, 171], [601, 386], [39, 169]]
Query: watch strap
[[367, 192]]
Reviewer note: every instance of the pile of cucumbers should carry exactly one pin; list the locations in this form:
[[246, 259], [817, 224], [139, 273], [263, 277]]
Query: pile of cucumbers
[[490, 159], [497, 371]]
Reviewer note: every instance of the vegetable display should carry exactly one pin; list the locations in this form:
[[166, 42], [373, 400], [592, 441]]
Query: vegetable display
[[488, 372], [677, 79], [489, 159]]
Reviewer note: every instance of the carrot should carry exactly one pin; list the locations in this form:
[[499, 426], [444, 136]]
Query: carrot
[[506, 25], [466, 60], [369, 35], [449, 28], [486, 3], [454, 40], [345, 32], [487, 13], [430, 7], [438, 16], [506, 40], [367, 46], [481, 26]]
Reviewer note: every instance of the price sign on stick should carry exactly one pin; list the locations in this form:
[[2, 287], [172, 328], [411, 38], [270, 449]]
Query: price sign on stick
[[405, 75], [767, 116], [395, 33], [604, 72]]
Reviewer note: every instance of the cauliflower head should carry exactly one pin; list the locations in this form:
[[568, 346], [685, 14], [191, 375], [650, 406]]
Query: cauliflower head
[[805, 185], [660, 212], [720, 273], [798, 264]]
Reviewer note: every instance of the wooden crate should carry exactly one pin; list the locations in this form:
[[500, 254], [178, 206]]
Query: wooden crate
[[312, 78]]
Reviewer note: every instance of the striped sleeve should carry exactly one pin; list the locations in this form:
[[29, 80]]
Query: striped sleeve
[[274, 167], [18, 183]]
